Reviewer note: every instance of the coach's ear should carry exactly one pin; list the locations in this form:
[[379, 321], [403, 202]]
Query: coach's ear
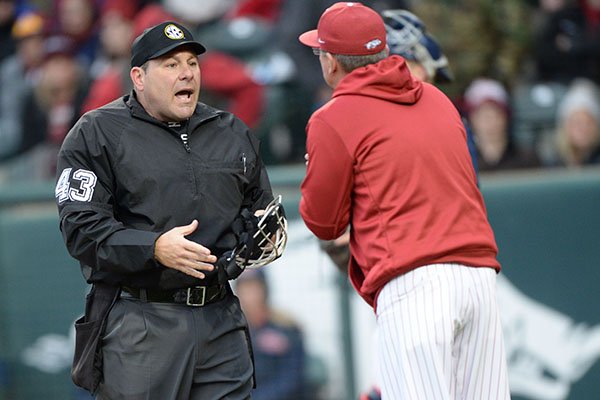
[[331, 63], [332, 69]]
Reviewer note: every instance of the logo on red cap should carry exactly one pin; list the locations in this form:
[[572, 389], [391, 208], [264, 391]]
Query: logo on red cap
[[373, 44]]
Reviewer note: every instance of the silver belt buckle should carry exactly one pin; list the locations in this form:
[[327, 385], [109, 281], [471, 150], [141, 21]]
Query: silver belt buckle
[[196, 296]]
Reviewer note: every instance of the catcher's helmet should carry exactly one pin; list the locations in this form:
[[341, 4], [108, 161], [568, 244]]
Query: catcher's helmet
[[407, 37]]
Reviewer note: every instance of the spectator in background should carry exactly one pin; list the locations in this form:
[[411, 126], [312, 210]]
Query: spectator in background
[[226, 76], [8, 11], [488, 111], [578, 125], [148, 16], [277, 343], [198, 12], [568, 44], [18, 73], [543, 10], [285, 105], [76, 19], [112, 66], [116, 30], [115, 33], [52, 106], [481, 38], [267, 10]]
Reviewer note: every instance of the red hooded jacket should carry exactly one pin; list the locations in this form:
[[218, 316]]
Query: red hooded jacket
[[388, 155]]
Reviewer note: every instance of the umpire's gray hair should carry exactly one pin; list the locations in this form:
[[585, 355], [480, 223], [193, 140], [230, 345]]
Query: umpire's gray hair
[[350, 63]]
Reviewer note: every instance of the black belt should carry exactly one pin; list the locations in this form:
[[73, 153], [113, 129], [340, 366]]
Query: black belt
[[195, 296]]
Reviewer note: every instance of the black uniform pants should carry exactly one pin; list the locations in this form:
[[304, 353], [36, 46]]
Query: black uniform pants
[[161, 351]]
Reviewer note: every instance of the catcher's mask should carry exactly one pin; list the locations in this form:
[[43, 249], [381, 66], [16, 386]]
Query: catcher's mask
[[260, 240], [408, 37], [269, 238]]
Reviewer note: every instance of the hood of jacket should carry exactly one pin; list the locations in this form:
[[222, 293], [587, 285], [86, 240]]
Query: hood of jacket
[[389, 80]]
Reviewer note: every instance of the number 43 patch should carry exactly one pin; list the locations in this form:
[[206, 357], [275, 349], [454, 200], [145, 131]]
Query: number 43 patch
[[65, 191]]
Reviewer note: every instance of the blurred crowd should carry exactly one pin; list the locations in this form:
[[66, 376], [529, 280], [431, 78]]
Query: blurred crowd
[[526, 73]]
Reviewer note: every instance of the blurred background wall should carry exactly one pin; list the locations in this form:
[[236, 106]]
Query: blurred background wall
[[547, 226]]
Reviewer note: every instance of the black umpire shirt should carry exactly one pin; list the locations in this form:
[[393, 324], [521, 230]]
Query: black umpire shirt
[[124, 178]]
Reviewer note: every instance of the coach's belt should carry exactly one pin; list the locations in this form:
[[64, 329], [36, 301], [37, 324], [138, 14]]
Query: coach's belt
[[195, 296]]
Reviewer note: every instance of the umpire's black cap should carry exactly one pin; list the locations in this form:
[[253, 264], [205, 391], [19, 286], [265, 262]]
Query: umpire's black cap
[[161, 39]]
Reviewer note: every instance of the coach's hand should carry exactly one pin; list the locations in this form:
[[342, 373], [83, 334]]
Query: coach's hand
[[174, 251]]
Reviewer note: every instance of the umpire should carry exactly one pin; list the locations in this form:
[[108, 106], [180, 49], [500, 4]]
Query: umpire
[[148, 187]]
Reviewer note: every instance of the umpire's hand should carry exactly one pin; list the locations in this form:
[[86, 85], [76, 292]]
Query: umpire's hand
[[174, 251]]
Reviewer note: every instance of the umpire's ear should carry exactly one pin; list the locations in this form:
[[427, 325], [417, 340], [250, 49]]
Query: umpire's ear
[[137, 77]]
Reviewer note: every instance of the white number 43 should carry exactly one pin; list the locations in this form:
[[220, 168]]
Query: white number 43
[[64, 191]]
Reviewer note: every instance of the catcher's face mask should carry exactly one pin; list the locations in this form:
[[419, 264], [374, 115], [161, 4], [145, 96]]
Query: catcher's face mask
[[261, 240], [407, 37], [269, 238]]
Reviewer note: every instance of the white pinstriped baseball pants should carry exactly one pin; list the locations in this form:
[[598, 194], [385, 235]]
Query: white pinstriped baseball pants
[[439, 336]]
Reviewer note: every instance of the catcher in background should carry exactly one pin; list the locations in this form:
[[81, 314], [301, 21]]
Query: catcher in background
[[387, 155]]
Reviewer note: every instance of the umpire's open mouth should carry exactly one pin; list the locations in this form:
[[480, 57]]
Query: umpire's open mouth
[[184, 95]]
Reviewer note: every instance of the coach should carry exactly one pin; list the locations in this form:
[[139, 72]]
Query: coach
[[387, 155]]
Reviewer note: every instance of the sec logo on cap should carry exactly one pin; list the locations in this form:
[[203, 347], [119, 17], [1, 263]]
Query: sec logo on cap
[[173, 32]]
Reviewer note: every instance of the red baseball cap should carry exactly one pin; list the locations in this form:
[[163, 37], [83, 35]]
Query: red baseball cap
[[349, 29]]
